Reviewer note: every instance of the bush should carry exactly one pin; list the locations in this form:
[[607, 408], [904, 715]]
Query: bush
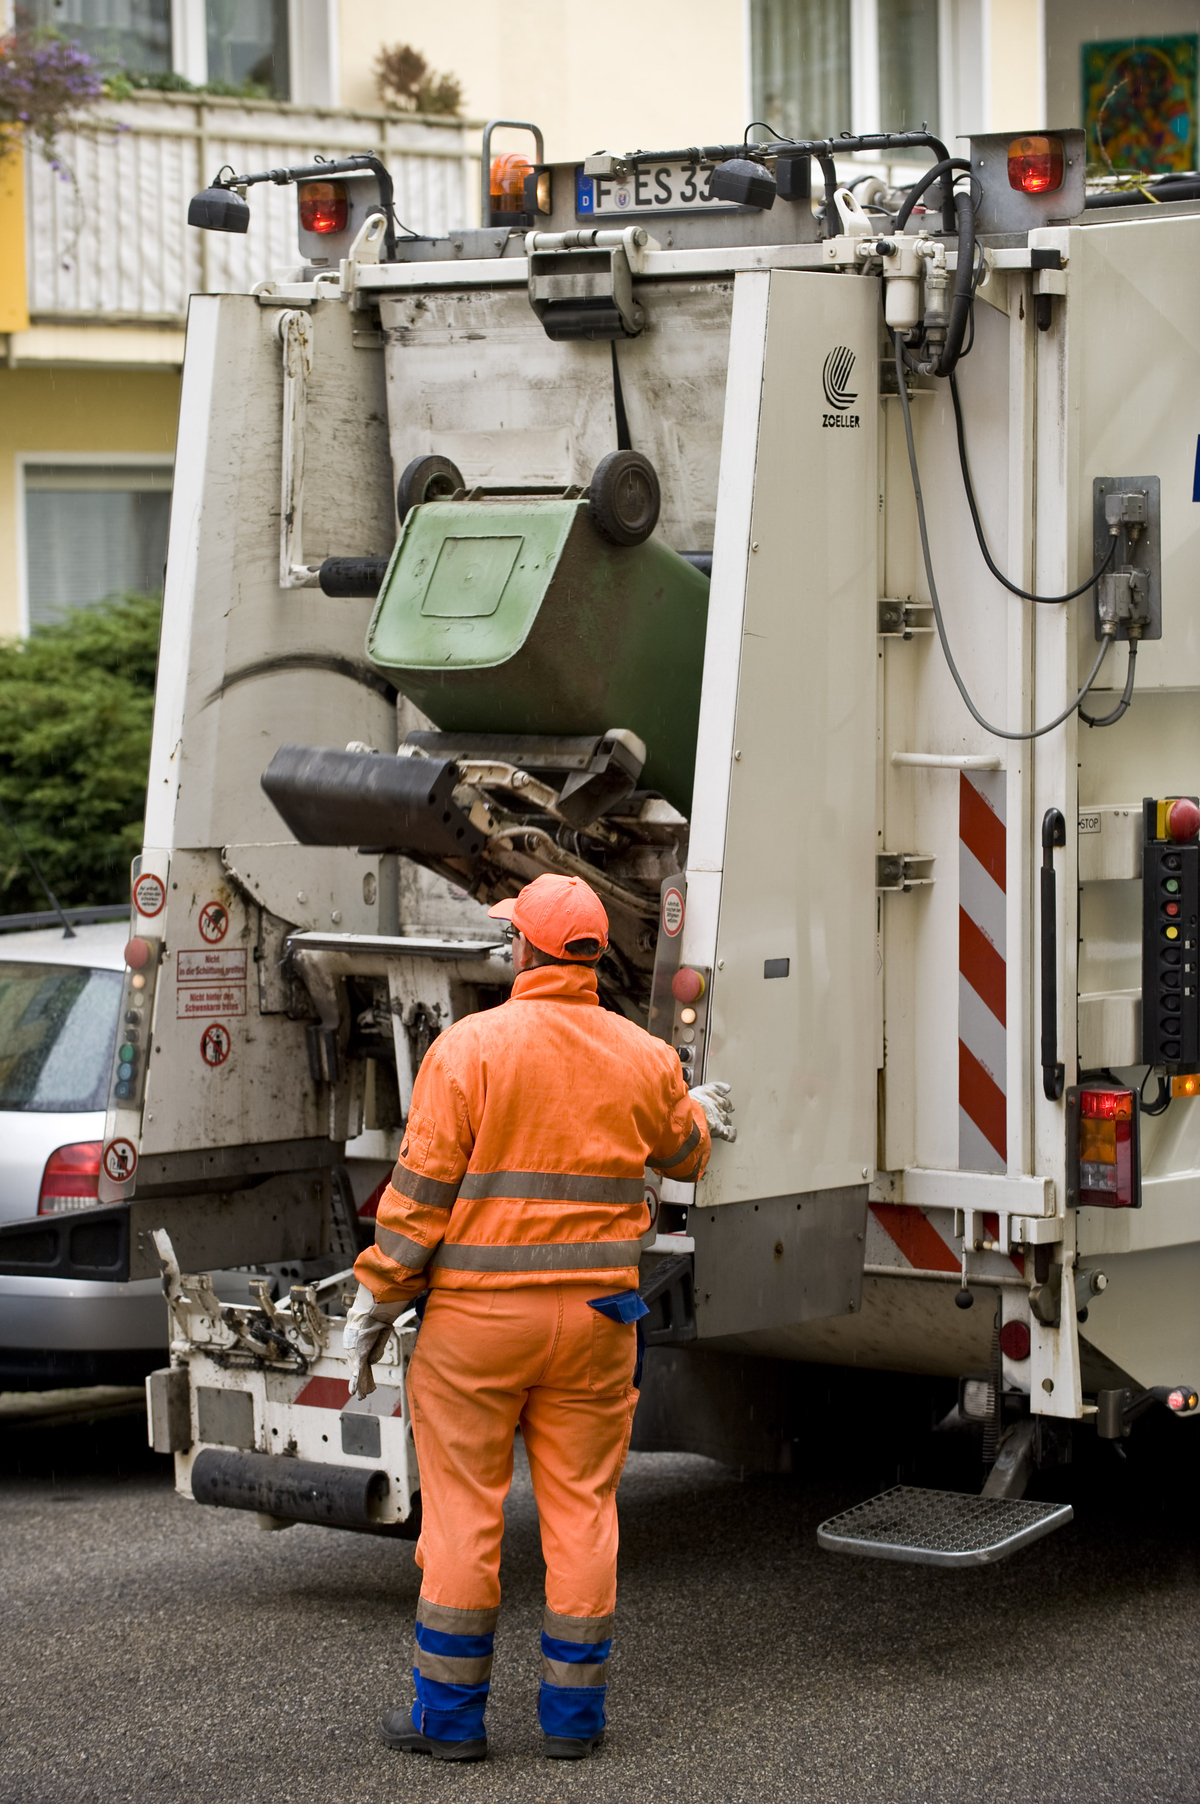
[[76, 706], [407, 84]]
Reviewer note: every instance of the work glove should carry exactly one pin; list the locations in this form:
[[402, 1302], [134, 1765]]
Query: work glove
[[364, 1337], [714, 1099]]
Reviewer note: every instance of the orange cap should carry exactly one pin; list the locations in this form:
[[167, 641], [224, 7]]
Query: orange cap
[[554, 911]]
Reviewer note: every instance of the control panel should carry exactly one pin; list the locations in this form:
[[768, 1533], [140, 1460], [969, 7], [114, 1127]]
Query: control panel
[[1170, 932]]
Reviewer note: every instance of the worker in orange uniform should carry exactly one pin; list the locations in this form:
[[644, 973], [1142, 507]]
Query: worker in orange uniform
[[518, 1196]]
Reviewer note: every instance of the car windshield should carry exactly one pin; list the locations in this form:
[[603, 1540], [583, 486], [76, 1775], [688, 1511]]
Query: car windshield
[[57, 1027]]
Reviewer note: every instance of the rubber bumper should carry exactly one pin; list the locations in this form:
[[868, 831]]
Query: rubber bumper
[[298, 1490]]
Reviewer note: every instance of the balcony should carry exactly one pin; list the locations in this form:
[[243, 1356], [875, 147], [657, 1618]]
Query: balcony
[[110, 246]]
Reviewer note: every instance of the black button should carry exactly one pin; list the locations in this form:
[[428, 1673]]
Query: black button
[[1170, 1049], [1170, 955], [1172, 862], [1169, 980]]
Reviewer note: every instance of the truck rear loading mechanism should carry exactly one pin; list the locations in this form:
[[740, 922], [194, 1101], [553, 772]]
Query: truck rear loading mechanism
[[759, 558]]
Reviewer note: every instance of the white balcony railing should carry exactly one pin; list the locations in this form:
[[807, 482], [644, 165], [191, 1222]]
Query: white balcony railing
[[111, 243]]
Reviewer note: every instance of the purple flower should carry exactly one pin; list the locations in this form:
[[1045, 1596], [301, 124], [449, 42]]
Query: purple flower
[[46, 83]]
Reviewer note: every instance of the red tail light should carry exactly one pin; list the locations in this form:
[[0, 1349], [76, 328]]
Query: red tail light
[[1035, 164], [71, 1178], [324, 206], [1109, 1162]]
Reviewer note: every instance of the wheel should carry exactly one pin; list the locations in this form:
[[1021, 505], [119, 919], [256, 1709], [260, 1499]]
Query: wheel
[[427, 479], [624, 497]]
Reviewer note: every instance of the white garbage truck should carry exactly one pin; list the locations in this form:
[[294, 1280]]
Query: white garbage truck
[[808, 558]]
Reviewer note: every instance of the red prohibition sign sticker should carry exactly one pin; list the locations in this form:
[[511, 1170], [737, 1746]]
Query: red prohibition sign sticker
[[672, 913], [215, 1044], [120, 1161], [214, 922], [149, 894]]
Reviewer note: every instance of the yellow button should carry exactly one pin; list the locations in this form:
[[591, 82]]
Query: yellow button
[[1172, 933]]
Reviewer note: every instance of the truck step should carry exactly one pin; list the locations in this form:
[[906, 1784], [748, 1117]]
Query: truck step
[[940, 1528]]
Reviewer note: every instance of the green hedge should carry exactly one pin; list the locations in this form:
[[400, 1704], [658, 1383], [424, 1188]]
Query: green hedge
[[76, 705]]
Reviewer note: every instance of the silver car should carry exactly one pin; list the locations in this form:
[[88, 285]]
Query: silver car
[[59, 1007]]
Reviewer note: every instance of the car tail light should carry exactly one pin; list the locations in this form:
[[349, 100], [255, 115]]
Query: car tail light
[[1036, 164], [324, 206], [1109, 1164], [1182, 1400], [508, 182], [71, 1178]]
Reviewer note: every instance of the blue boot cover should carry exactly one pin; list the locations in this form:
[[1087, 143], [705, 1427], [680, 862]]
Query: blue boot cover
[[453, 1671], [575, 1652]]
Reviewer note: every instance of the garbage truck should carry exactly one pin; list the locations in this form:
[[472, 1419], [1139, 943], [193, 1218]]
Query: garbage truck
[[797, 540]]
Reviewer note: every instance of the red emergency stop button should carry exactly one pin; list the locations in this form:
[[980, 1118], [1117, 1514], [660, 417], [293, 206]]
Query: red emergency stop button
[[137, 954], [1183, 819], [687, 985]]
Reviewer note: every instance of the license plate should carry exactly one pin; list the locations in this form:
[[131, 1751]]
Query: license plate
[[650, 188]]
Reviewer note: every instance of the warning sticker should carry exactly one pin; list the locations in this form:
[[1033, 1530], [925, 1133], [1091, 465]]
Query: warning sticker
[[210, 999], [210, 967], [214, 922], [672, 913], [149, 894], [120, 1160], [215, 1044]]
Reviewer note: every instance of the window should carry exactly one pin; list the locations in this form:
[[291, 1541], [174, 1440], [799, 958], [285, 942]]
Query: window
[[125, 34], [248, 41], [57, 1028], [908, 65], [800, 51], [93, 530], [819, 67]]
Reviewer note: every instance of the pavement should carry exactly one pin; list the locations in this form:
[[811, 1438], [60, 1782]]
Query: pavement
[[156, 1651]]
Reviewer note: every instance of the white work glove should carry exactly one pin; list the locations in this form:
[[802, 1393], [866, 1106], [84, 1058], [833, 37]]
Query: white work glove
[[364, 1337], [714, 1099]]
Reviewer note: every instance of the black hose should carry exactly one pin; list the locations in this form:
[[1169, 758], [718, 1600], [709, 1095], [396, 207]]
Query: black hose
[[918, 188], [1107, 720], [968, 485], [964, 287], [1162, 1100]]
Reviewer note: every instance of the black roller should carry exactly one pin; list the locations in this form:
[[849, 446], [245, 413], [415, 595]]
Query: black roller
[[296, 1490], [350, 576], [330, 798]]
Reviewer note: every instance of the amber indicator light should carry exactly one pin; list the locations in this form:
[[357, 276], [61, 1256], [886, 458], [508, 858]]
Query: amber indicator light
[[324, 206]]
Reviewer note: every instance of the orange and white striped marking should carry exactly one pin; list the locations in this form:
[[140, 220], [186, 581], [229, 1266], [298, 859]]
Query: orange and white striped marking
[[982, 971]]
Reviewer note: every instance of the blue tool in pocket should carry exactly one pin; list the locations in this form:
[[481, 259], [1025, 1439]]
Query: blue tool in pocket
[[627, 1306]]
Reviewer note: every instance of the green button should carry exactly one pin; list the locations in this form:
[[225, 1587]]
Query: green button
[[127, 1052]]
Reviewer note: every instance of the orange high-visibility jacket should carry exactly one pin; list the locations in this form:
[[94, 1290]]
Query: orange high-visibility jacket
[[524, 1157]]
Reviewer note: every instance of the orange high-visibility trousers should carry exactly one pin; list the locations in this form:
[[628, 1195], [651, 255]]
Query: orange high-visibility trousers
[[485, 1362]]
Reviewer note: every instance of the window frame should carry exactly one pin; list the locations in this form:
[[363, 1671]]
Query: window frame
[[70, 460]]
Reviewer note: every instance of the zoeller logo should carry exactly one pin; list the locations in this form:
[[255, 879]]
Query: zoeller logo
[[835, 380]]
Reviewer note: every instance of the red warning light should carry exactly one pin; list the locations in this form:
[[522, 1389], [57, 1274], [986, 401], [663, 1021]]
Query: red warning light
[[1183, 1400], [324, 206], [1036, 164], [1106, 1105]]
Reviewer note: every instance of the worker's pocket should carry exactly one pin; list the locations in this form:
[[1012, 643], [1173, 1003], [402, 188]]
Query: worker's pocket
[[613, 1354]]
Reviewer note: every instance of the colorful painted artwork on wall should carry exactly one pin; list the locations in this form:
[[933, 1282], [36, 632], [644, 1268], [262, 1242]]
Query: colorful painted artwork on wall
[[1139, 104]]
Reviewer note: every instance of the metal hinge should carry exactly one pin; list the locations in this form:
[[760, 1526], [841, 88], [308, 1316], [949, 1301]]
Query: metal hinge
[[903, 870], [901, 619]]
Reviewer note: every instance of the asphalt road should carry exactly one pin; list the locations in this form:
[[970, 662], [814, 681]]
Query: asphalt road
[[154, 1650]]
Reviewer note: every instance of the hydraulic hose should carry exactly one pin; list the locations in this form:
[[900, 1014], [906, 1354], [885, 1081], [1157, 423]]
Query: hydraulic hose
[[918, 188], [968, 485], [964, 288], [997, 732]]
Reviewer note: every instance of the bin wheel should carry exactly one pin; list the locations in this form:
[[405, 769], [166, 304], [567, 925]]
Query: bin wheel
[[624, 497], [428, 478]]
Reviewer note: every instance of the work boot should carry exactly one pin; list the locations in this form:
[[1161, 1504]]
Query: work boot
[[570, 1747], [396, 1731]]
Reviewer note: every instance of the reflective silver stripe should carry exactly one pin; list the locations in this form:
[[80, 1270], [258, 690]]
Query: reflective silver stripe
[[552, 1187], [403, 1250], [434, 1192], [451, 1621], [689, 1145], [452, 1671], [568, 1672], [559, 1256], [577, 1628]]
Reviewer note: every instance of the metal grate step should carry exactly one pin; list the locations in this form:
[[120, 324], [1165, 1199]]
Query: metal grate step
[[940, 1528]]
